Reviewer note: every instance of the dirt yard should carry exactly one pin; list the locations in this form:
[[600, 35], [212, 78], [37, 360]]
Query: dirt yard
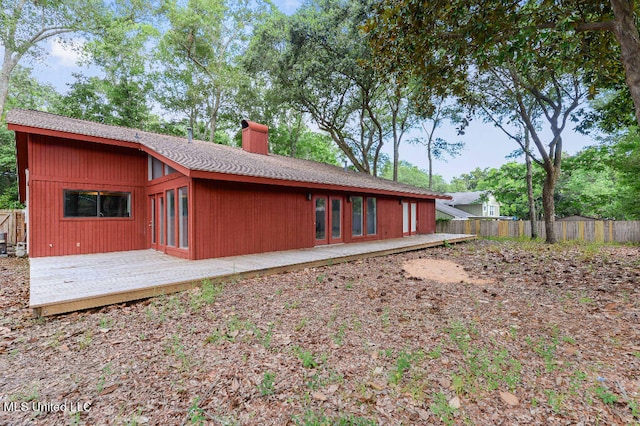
[[511, 333]]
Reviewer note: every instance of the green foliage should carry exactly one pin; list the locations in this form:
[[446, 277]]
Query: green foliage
[[404, 361], [307, 357], [599, 181], [303, 143], [196, 414], [311, 418], [625, 159], [412, 175], [605, 395], [205, 295], [510, 188], [266, 386], [440, 408], [318, 61], [200, 55], [121, 97], [437, 42]]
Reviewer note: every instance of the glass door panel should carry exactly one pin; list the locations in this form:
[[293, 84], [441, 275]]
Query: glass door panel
[[414, 217], [405, 218], [321, 219], [152, 220], [336, 219]]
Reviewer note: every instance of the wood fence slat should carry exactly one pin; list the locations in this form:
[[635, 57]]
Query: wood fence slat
[[591, 231], [12, 222]]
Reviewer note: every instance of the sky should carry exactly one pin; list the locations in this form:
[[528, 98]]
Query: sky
[[485, 145]]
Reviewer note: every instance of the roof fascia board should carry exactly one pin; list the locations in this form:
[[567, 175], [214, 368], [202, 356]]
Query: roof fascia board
[[180, 168], [105, 141], [197, 174], [73, 136], [216, 175]]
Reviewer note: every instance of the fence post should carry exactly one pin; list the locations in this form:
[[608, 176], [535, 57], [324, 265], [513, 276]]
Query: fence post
[[599, 231]]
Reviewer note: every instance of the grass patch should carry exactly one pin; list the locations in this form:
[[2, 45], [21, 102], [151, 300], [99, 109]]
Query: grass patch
[[312, 418], [206, 294], [266, 386]]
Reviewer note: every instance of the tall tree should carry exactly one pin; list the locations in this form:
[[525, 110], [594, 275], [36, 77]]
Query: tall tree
[[412, 175], [121, 95], [24, 92], [510, 189], [202, 49], [437, 147], [402, 118], [320, 62], [411, 33], [26, 24], [448, 44]]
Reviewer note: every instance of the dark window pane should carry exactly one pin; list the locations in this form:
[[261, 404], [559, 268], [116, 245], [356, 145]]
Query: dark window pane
[[321, 221], [115, 204], [171, 218], [336, 218], [183, 230], [168, 169], [356, 216], [372, 216], [156, 168], [80, 204]]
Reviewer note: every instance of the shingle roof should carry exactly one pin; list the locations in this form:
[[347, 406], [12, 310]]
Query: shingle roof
[[464, 198], [442, 206], [210, 157]]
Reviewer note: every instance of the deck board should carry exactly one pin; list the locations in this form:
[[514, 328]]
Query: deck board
[[67, 283]]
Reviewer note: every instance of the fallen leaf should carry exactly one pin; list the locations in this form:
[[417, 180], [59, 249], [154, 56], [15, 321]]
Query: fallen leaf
[[509, 398], [444, 382], [109, 389], [319, 396], [375, 385], [455, 402]]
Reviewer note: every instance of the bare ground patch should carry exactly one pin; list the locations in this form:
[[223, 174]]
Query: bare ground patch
[[444, 271], [552, 337]]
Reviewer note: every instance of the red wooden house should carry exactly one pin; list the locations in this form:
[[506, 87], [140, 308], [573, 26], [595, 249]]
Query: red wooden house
[[93, 188]]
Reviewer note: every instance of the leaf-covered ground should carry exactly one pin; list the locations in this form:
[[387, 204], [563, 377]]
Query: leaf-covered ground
[[552, 338]]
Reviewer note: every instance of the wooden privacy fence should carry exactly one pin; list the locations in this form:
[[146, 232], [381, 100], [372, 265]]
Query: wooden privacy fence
[[583, 230], [12, 223]]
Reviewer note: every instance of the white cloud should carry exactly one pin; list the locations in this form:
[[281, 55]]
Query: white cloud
[[66, 54]]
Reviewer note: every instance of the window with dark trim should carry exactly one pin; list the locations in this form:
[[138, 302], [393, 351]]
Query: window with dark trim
[[96, 203], [372, 217], [157, 168], [183, 214], [364, 216], [356, 216], [171, 218]]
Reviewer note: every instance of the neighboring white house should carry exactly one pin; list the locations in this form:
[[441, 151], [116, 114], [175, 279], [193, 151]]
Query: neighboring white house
[[468, 205]]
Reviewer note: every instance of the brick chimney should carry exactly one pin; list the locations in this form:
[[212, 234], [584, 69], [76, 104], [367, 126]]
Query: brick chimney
[[255, 137]]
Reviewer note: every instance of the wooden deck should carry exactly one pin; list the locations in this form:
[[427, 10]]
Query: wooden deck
[[69, 283]]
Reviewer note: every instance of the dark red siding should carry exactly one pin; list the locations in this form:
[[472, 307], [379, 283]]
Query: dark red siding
[[57, 164], [232, 219], [389, 217], [427, 217], [226, 218]]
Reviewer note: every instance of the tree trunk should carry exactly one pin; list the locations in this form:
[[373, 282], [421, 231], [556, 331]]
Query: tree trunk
[[8, 64], [548, 203], [626, 33], [430, 158], [529, 178], [396, 151], [213, 121]]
